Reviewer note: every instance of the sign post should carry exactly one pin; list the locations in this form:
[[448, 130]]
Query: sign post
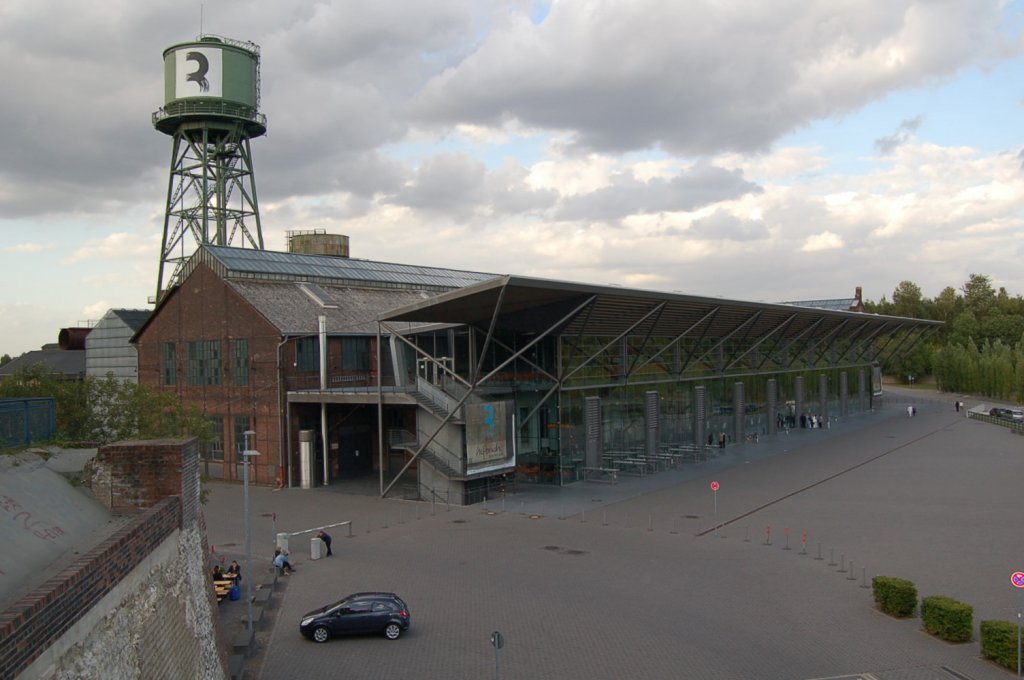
[[1017, 579], [498, 640]]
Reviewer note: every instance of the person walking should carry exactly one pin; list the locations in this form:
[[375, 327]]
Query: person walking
[[326, 538]]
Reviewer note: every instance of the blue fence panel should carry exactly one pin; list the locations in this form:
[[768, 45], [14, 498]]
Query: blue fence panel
[[26, 421]]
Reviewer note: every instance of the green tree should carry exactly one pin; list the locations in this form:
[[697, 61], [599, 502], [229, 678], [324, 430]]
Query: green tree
[[964, 329], [102, 410], [5, 359], [979, 296], [947, 305], [907, 300]]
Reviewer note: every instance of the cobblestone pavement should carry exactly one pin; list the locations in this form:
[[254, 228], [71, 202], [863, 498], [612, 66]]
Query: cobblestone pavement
[[643, 579]]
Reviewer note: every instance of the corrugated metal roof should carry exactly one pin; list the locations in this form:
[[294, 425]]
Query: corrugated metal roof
[[251, 263], [68, 362], [133, 318], [841, 304]]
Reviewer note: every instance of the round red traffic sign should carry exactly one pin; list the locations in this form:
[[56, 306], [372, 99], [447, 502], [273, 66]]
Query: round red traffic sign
[[1017, 579], [714, 486]]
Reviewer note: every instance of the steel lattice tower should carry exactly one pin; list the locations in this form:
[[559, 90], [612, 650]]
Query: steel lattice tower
[[211, 109]]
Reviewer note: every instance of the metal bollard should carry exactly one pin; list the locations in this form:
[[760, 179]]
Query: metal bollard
[[583, 516], [842, 563], [832, 557], [851, 577], [864, 577], [768, 535], [786, 532], [604, 518], [819, 551]]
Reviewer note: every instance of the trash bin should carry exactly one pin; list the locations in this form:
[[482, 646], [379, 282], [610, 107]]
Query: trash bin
[[315, 545], [235, 593]]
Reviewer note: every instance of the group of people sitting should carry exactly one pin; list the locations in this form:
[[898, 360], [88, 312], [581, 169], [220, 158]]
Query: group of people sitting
[[232, 573]]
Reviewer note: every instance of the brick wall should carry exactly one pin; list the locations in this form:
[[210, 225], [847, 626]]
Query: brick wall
[[141, 473], [204, 307], [37, 620]]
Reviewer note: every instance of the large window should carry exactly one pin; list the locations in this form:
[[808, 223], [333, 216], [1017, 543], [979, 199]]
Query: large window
[[242, 423], [214, 448], [307, 354], [204, 364], [170, 363], [355, 354], [240, 362]]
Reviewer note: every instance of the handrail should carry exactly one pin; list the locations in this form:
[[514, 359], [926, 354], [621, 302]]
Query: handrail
[[453, 460], [437, 396]]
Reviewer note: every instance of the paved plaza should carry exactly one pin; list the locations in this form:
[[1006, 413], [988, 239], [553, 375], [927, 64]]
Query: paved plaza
[[643, 579]]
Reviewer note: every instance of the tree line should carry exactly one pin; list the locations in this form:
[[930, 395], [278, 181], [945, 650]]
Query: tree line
[[102, 410], [979, 350]]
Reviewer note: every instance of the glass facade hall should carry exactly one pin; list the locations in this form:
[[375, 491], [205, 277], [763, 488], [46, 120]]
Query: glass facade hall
[[593, 374]]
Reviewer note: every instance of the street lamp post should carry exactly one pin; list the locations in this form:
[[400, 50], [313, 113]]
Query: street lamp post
[[248, 534]]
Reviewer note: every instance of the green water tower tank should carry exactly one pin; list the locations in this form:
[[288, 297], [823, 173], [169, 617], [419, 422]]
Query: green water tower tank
[[211, 80]]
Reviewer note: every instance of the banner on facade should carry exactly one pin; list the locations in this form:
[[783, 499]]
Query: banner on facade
[[487, 433]]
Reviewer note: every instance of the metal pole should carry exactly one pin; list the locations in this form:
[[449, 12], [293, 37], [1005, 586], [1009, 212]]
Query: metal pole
[[715, 495], [248, 538]]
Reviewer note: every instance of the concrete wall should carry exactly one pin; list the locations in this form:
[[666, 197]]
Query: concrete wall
[[138, 604]]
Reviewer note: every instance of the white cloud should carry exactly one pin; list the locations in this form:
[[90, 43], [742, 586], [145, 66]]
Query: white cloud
[[823, 241], [28, 248], [117, 246]]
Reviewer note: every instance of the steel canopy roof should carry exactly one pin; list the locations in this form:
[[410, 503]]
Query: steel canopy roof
[[533, 305]]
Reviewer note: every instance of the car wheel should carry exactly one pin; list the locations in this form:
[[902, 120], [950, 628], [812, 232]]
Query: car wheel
[[392, 631], [321, 634]]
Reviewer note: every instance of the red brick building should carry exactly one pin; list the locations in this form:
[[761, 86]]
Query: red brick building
[[240, 337]]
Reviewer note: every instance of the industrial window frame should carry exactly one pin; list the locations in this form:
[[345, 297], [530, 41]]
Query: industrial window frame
[[170, 359], [242, 424], [355, 354], [204, 362], [240, 361], [214, 448], [307, 354]]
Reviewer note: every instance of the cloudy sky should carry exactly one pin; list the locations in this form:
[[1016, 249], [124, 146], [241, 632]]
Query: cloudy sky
[[792, 149]]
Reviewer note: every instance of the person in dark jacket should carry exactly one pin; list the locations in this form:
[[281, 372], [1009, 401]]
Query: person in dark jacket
[[326, 538]]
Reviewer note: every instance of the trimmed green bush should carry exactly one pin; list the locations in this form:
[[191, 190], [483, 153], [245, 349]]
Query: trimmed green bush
[[947, 619], [999, 643], [895, 596]]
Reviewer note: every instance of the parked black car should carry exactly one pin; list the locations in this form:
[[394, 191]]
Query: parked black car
[[358, 614]]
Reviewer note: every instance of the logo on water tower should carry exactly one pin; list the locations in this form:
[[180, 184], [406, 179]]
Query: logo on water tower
[[198, 72], [202, 68]]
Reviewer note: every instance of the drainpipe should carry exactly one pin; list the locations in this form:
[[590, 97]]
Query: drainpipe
[[323, 388], [284, 451]]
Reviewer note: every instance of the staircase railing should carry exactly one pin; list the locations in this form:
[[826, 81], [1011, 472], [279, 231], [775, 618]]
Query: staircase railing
[[438, 397]]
